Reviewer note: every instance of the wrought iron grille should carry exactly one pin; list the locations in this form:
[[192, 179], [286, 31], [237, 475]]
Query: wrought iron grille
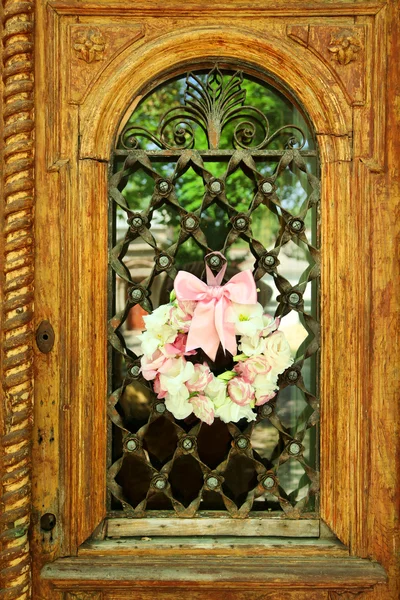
[[212, 174]]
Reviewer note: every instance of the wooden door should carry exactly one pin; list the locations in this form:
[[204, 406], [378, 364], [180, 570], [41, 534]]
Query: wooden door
[[71, 72]]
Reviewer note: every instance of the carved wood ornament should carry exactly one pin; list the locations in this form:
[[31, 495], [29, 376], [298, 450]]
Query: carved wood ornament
[[17, 283], [90, 46]]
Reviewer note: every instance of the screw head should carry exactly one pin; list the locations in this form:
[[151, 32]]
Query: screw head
[[136, 294], [187, 443], [294, 298], [215, 260], [160, 484], [136, 222], [268, 483], [267, 187], [163, 261], [212, 482], [240, 223], [269, 260], [163, 186], [297, 225], [160, 408], [294, 448], [131, 445], [216, 186], [266, 410], [242, 442], [190, 223], [292, 375], [134, 370]]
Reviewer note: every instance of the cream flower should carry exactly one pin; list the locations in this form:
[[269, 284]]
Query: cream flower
[[247, 318], [216, 390], [230, 412], [251, 346], [173, 375], [160, 316], [178, 407], [153, 339]]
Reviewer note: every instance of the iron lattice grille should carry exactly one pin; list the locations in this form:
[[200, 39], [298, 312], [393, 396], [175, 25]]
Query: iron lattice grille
[[141, 476]]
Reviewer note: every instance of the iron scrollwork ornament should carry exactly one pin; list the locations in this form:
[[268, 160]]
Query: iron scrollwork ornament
[[212, 105]]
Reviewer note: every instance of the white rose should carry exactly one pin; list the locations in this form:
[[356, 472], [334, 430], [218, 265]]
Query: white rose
[[252, 345], [265, 386], [160, 316], [216, 390], [153, 339], [277, 351], [230, 412], [178, 371], [178, 407]]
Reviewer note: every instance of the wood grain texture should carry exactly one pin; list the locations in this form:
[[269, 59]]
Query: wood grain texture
[[212, 526], [217, 546], [17, 299], [235, 573], [240, 8]]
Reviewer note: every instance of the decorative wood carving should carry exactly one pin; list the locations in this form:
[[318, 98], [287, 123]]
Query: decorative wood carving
[[92, 48], [17, 309], [89, 45], [342, 49]]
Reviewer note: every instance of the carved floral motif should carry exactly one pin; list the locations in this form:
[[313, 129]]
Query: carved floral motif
[[344, 47], [90, 46]]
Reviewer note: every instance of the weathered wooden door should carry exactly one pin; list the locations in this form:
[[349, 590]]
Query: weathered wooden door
[[73, 73]]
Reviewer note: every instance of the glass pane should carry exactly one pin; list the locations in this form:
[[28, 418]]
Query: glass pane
[[228, 164]]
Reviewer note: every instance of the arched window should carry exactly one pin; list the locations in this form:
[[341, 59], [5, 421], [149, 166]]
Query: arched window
[[215, 160]]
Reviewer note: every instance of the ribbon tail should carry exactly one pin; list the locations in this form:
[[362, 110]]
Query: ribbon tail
[[225, 329], [202, 332]]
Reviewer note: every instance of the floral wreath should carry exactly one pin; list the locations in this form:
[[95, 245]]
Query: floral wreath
[[182, 338]]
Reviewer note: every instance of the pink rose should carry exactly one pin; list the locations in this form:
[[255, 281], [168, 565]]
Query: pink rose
[[253, 366], [203, 408], [263, 399], [178, 347], [161, 393], [200, 379], [240, 391], [151, 366]]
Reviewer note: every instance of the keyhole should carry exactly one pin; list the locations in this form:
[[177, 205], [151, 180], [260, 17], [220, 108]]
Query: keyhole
[[48, 521]]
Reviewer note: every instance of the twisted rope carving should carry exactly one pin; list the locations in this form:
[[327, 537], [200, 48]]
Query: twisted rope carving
[[17, 309]]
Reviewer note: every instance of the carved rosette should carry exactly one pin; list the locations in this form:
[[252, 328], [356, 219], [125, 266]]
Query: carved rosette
[[17, 306]]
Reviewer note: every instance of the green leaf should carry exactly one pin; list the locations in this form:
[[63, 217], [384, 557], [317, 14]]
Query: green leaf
[[227, 375]]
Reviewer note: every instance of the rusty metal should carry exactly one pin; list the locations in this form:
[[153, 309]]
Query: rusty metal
[[206, 105]]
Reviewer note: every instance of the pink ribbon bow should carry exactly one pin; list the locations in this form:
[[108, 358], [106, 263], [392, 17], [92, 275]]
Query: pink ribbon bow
[[209, 325]]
